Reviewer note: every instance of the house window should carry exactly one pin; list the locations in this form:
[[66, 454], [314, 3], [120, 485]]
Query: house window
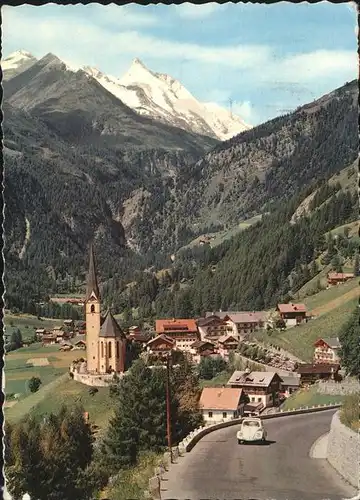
[[110, 353], [224, 414], [210, 414], [117, 349], [92, 308], [102, 349], [259, 400]]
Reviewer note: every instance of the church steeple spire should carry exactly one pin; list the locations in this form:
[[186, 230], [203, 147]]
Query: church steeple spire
[[92, 287]]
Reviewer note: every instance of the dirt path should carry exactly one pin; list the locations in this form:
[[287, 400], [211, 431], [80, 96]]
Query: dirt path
[[333, 304]]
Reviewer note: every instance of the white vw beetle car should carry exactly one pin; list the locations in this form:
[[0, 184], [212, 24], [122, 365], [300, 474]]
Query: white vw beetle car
[[251, 430]]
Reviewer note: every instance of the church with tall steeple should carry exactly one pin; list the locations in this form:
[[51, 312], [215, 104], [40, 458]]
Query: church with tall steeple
[[105, 341]]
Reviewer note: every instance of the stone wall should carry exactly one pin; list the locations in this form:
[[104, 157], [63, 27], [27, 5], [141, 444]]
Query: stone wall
[[343, 451], [342, 388], [93, 380]]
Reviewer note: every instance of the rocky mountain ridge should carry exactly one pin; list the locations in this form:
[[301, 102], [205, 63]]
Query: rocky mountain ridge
[[151, 94]]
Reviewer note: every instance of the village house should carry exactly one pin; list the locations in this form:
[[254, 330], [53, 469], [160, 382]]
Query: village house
[[183, 331], [227, 344], [289, 384], [221, 404], [200, 349], [61, 333], [241, 324], [39, 332], [80, 327], [212, 327], [327, 350], [338, 278], [260, 387], [134, 330], [292, 314], [49, 339], [160, 346], [78, 342], [139, 337], [310, 373], [244, 323], [69, 326]]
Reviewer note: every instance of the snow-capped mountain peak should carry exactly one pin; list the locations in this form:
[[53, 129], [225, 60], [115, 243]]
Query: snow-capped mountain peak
[[17, 59], [163, 97], [156, 95], [94, 72]]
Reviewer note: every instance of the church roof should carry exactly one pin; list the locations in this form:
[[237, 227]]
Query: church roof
[[110, 328], [92, 284]]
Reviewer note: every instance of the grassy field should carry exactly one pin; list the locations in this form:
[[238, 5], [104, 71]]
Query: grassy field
[[64, 390], [24, 363], [310, 397], [27, 324], [221, 236], [225, 235], [300, 339], [327, 299]]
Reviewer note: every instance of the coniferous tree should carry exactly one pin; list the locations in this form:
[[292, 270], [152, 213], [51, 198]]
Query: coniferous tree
[[139, 422], [42, 454], [350, 345]]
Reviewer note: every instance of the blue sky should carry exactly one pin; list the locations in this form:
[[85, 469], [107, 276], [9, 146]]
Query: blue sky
[[266, 59]]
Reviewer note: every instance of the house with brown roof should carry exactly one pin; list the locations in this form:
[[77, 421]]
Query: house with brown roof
[[49, 339], [338, 278], [160, 346], [226, 345], [221, 404], [241, 323], [310, 373], [40, 332], [200, 349], [289, 384], [292, 314], [260, 387], [184, 332], [139, 337], [212, 327], [244, 323], [327, 350]]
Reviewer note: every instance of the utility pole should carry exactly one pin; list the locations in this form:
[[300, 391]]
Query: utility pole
[[168, 410]]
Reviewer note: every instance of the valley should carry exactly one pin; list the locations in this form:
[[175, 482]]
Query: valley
[[144, 191], [181, 250]]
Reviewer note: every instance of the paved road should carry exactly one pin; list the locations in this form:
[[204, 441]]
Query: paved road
[[219, 468]]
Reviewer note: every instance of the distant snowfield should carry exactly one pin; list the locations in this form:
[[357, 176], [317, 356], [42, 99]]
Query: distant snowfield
[[16, 59], [157, 96]]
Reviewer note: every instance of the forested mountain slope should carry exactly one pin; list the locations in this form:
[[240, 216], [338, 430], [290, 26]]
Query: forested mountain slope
[[81, 166], [267, 263], [245, 175]]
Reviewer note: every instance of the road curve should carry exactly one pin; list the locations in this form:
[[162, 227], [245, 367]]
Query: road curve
[[218, 468]]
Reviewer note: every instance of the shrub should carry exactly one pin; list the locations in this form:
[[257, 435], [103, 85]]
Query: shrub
[[34, 384], [350, 411]]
